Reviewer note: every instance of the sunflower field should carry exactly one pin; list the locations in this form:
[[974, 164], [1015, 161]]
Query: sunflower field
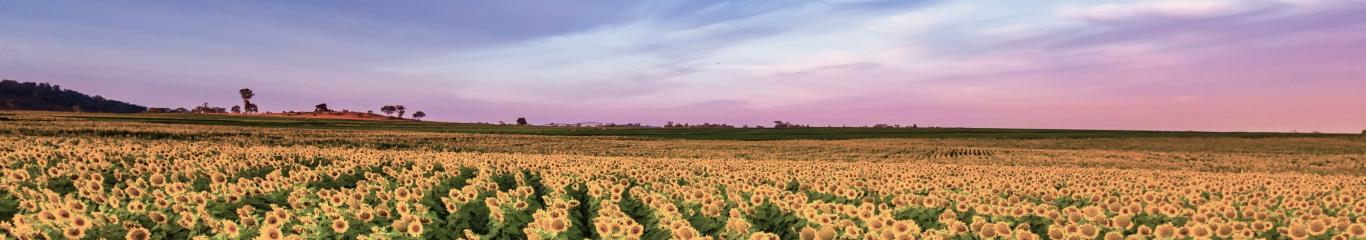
[[72, 178]]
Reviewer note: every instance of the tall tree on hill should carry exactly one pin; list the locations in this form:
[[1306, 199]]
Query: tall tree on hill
[[321, 107], [388, 109], [419, 115], [400, 109], [246, 99], [521, 121]]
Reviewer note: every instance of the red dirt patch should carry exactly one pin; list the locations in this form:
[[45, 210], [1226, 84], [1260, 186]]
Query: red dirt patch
[[336, 115]]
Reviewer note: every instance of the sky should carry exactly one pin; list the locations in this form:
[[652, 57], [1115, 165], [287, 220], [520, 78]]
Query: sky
[[1210, 65]]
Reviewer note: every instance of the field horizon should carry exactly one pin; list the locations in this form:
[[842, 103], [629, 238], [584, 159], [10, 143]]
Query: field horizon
[[813, 132]]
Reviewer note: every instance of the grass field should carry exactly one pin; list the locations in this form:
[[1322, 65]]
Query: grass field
[[175, 176], [673, 133]]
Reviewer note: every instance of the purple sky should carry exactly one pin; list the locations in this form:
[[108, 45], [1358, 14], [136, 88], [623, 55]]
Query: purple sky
[[1222, 65]]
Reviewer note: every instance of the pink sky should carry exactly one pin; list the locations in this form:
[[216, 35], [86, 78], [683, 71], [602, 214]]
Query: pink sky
[[1219, 65]]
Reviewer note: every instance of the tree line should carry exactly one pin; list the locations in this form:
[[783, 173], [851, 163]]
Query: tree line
[[249, 107], [15, 95]]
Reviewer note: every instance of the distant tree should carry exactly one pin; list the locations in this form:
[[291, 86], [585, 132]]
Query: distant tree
[[521, 121], [321, 107], [208, 109], [915, 126], [400, 109], [388, 109], [201, 109], [246, 99], [236, 109], [180, 110], [419, 114]]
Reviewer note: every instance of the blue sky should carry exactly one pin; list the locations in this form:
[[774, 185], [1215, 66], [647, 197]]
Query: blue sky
[[1273, 65]]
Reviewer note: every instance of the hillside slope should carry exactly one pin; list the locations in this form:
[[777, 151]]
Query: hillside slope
[[46, 97]]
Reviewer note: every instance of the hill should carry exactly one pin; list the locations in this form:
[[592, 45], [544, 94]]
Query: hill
[[46, 97]]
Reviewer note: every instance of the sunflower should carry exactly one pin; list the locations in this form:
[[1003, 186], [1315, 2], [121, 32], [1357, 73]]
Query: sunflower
[[987, 232], [1200, 231], [1356, 230], [955, 227], [272, 220], [558, 225], [271, 233], [80, 222], [365, 216], [229, 228], [73, 233], [248, 221], [885, 234], [1165, 231], [901, 227], [1089, 231], [186, 221], [1317, 227], [807, 233], [826, 233], [1114, 236], [1297, 231], [157, 217], [218, 178], [138, 233], [156, 179], [414, 229], [1001, 229], [635, 230], [1025, 235], [340, 226], [76, 206], [64, 214], [1122, 222], [401, 194], [1224, 230], [1259, 226]]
